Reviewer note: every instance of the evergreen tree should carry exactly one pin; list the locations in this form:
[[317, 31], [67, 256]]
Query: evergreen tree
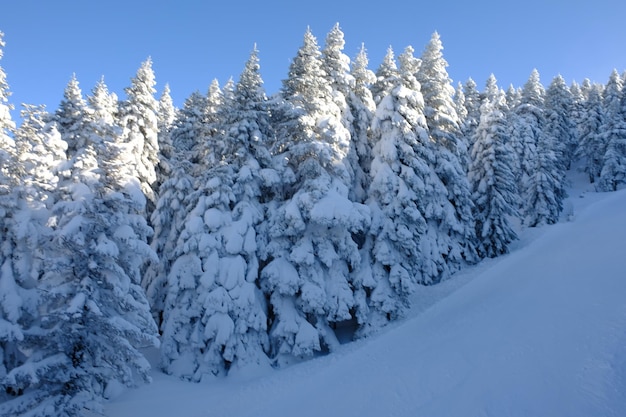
[[165, 120], [513, 96], [204, 147], [405, 197], [190, 128], [227, 323], [543, 179], [168, 221], [450, 150], [577, 115], [613, 130], [14, 302], [494, 188], [385, 75], [92, 315], [527, 123], [559, 126], [336, 65], [459, 107], [591, 146], [310, 251], [545, 191], [139, 119], [362, 107], [70, 117], [472, 103], [39, 151]]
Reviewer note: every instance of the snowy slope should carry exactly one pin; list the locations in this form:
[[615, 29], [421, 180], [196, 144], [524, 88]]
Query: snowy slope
[[539, 332]]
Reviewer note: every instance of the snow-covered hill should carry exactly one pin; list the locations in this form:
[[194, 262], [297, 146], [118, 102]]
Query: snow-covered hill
[[539, 332]]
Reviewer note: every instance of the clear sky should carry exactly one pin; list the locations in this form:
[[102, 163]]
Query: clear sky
[[193, 42]]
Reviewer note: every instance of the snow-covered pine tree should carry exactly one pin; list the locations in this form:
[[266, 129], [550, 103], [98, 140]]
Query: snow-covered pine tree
[[203, 147], [528, 120], [513, 96], [473, 102], [39, 160], [591, 147], [185, 330], [459, 106], [577, 115], [139, 119], [13, 297], [613, 130], [190, 128], [310, 251], [385, 74], [217, 255], [559, 126], [456, 237], [542, 177], [492, 176], [545, 189], [168, 221], [336, 64], [405, 193], [40, 153], [362, 107], [70, 117], [92, 313], [165, 120]]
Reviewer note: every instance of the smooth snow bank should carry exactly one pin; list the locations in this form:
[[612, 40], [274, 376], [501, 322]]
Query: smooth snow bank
[[539, 332]]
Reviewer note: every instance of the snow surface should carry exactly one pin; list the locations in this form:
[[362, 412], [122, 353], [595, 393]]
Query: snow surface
[[538, 332]]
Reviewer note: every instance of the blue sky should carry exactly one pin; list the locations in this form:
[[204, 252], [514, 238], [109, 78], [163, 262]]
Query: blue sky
[[193, 42]]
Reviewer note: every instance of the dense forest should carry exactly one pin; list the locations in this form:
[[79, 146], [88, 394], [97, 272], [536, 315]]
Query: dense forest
[[245, 230]]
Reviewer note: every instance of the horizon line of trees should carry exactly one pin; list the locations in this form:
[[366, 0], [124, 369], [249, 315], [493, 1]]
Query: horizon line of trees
[[243, 231]]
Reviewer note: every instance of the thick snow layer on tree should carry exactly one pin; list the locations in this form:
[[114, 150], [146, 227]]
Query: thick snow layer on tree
[[537, 332]]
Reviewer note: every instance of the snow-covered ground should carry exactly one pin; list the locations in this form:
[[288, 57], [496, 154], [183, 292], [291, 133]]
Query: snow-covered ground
[[539, 332]]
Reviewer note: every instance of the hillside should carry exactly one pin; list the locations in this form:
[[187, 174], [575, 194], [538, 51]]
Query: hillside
[[539, 332]]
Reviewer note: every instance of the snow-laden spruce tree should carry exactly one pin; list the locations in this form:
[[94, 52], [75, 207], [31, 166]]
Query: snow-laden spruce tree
[[577, 114], [451, 157], [215, 315], [591, 147], [528, 120], [472, 105], [559, 126], [542, 184], [14, 298], [168, 221], [93, 316], [38, 163], [336, 65], [70, 117], [165, 119], [545, 189], [309, 250], [492, 176], [190, 128], [459, 106], [406, 198], [513, 96], [362, 107], [139, 119], [385, 74], [40, 153], [613, 130]]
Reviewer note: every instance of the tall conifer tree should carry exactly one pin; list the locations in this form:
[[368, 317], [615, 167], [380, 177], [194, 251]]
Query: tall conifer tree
[[310, 252], [492, 176]]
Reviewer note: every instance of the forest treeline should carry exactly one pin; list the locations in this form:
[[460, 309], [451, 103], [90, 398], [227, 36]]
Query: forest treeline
[[244, 230]]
